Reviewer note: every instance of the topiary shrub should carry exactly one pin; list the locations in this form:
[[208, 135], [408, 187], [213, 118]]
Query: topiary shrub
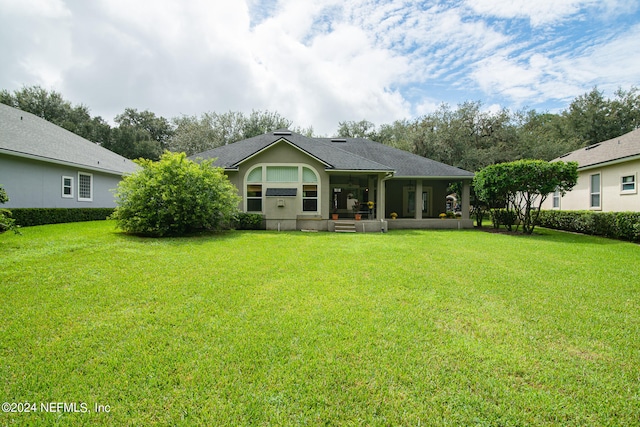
[[174, 196]]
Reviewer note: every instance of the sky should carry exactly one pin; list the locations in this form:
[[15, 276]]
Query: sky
[[319, 62]]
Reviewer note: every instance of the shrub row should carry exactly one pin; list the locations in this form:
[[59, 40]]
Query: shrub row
[[615, 225], [27, 217], [247, 221]]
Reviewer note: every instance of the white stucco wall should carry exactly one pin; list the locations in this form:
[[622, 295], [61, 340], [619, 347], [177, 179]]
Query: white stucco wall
[[612, 198]]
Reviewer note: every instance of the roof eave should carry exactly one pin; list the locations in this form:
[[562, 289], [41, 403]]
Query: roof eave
[[609, 162], [330, 170], [62, 162]]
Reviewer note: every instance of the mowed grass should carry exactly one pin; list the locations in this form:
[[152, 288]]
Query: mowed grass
[[266, 328]]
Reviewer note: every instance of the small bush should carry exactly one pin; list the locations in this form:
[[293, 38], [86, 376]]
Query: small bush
[[506, 217], [615, 225], [6, 220], [247, 221]]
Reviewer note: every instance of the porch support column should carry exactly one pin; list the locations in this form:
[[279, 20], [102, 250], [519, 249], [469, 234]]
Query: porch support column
[[466, 199], [418, 200], [382, 195]]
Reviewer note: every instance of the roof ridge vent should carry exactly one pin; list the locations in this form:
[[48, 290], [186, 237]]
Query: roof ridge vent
[[282, 132], [339, 140]]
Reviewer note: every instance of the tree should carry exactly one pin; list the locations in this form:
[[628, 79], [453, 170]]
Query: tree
[[261, 122], [158, 128], [523, 183], [174, 196], [52, 107], [197, 134], [593, 119], [361, 129]]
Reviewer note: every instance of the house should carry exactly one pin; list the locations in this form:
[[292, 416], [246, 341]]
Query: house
[[45, 166], [297, 182], [607, 177]]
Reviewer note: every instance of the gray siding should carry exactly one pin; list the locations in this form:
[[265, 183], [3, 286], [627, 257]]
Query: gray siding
[[36, 184]]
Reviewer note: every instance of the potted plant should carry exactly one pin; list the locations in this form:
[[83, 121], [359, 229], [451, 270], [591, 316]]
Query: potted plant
[[356, 209], [443, 215], [370, 205], [393, 215]]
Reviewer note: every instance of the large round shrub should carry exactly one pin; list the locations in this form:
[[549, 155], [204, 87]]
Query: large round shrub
[[174, 196]]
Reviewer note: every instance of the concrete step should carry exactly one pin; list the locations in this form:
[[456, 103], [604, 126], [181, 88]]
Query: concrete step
[[345, 227]]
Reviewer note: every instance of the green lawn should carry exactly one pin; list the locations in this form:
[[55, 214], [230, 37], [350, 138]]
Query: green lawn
[[266, 328]]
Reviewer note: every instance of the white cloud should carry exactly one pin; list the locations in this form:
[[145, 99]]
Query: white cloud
[[315, 63]]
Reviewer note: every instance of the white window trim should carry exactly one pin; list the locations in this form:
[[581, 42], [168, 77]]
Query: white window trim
[[556, 196], [86, 199], [67, 196], [299, 185], [592, 193], [635, 184]]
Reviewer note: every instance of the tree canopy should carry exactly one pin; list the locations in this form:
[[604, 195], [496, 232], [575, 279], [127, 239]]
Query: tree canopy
[[523, 185], [469, 136]]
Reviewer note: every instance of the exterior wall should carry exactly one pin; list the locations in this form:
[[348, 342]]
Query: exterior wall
[[36, 184], [612, 199], [285, 212]]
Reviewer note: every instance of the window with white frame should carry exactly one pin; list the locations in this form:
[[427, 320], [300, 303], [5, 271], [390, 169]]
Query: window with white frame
[[556, 199], [628, 184], [594, 191], [305, 178], [85, 187], [254, 198], [67, 187]]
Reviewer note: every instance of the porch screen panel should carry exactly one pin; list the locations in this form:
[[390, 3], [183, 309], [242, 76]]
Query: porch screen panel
[[282, 174], [308, 175]]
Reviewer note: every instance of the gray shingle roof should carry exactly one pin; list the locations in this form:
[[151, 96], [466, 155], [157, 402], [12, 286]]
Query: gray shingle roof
[[351, 154], [26, 135], [627, 145], [404, 163]]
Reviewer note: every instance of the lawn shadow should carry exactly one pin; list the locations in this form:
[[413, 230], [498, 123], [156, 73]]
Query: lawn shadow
[[551, 235], [195, 238]]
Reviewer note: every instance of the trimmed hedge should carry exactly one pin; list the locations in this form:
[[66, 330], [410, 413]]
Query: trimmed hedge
[[28, 217], [247, 221], [614, 225]]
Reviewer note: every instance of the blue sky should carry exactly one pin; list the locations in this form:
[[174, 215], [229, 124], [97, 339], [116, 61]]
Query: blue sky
[[319, 62]]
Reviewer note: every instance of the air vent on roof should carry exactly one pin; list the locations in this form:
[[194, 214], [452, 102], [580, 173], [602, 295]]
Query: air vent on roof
[[283, 132], [592, 146], [338, 140]]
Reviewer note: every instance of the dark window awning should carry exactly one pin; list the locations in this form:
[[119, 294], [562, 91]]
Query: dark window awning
[[282, 192]]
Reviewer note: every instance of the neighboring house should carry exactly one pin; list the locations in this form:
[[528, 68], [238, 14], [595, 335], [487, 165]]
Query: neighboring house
[[45, 166], [607, 177], [297, 182]]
